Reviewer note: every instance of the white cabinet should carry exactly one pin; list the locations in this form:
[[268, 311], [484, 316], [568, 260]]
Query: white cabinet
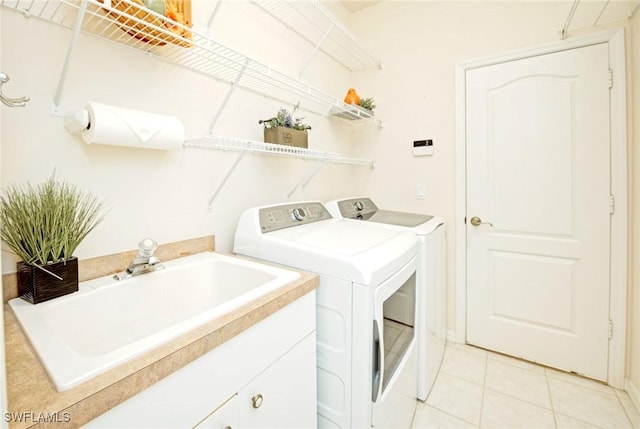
[[280, 397], [271, 364], [264, 403]]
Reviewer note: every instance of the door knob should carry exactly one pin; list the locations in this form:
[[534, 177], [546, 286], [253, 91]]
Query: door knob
[[476, 221]]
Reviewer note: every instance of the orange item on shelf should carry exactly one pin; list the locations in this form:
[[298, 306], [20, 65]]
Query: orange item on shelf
[[352, 97], [134, 18]]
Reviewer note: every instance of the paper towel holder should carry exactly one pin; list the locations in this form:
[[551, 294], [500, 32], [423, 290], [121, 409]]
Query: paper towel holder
[[77, 121], [104, 124]]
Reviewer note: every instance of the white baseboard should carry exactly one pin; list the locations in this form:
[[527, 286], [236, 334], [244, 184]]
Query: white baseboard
[[451, 336], [634, 393]]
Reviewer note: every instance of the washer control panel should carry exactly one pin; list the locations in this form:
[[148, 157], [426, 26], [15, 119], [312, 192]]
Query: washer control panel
[[357, 208], [286, 216]]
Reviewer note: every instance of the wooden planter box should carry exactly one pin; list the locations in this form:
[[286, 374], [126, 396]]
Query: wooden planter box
[[286, 136], [36, 285]]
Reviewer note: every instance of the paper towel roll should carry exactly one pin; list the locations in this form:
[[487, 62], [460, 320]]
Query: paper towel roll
[[117, 126]]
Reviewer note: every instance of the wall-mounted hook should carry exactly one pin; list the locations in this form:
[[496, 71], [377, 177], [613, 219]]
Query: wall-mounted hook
[[11, 102]]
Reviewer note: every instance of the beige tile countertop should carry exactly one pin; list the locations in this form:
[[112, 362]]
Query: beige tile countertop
[[32, 398]]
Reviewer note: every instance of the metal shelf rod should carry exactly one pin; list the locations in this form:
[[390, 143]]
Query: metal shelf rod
[[77, 26], [316, 25]]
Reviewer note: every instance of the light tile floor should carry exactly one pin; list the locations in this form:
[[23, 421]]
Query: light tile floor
[[480, 389]]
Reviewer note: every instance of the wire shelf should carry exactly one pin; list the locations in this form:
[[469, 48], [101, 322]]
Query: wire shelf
[[188, 49], [270, 149]]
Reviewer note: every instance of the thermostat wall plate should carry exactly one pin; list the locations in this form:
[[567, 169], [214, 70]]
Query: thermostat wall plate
[[422, 147]]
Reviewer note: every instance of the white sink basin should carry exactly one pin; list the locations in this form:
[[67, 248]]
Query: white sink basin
[[108, 322]]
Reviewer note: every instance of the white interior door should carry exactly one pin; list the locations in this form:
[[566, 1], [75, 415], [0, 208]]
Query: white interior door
[[538, 178]]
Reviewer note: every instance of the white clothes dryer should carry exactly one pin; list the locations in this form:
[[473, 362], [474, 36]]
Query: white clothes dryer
[[431, 293], [366, 362]]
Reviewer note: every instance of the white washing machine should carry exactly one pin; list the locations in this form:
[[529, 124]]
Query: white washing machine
[[366, 362], [431, 292]]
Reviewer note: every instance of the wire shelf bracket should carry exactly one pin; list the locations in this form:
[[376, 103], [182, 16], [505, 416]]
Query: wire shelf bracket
[[234, 85], [305, 180], [226, 178], [56, 107], [565, 29], [315, 24]]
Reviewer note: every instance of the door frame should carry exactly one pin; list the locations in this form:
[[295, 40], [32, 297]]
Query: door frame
[[619, 228]]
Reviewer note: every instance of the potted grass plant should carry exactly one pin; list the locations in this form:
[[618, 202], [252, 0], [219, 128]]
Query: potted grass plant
[[44, 225], [368, 104], [285, 129]]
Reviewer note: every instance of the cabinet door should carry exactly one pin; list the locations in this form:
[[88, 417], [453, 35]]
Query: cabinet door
[[284, 395], [225, 417]]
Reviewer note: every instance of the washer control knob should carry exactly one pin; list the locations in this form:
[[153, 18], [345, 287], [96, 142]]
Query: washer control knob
[[299, 214], [358, 205]]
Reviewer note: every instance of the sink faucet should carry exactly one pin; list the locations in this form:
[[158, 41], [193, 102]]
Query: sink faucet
[[145, 262]]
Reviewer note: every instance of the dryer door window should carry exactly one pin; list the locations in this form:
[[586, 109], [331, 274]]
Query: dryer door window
[[397, 327]]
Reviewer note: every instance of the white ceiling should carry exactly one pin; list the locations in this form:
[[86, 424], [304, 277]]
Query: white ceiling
[[587, 14], [591, 13]]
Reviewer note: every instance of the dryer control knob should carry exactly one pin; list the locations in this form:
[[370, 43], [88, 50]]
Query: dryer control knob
[[299, 213], [358, 205]]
